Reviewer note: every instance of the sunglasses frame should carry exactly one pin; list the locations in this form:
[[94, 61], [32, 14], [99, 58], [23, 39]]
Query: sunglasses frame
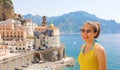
[[87, 31]]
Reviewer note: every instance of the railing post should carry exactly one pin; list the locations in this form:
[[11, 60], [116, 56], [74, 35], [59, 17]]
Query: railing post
[[1, 66], [13, 65], [4, 66], [19, 63]]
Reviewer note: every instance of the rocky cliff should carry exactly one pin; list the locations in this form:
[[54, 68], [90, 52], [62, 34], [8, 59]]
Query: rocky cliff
[[6, 9]]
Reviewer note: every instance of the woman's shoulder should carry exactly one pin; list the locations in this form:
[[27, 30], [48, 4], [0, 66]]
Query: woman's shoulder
[[99, 49]]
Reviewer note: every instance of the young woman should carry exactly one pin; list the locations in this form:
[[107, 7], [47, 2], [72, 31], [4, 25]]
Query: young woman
[[92, 55]]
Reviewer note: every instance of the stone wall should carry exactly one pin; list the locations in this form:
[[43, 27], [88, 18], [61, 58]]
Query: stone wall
[[51, 54]]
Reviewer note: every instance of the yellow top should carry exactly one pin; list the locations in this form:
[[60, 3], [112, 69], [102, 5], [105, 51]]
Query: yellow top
[[88, 61]]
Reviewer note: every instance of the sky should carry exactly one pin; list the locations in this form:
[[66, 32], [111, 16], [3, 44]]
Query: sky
[[105, 9]]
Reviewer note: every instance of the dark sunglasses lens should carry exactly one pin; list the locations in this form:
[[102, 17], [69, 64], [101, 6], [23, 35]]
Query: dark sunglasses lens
[[82, 30], [88, 31]]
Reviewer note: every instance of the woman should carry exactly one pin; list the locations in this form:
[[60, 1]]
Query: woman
[[92, 55]]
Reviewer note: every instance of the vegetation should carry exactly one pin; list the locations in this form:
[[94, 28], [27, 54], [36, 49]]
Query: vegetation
[[6, 7]]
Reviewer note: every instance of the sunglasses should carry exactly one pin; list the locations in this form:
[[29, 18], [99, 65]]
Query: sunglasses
[[83, 31]]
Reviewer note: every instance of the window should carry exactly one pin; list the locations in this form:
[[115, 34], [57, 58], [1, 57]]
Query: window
[[38, 37], [23, 48], [18, 36], [23, 44], [10, 35], [16, 48], [19, 48], [19, 44]]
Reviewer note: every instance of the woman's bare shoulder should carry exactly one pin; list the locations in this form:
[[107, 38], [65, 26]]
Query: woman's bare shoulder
[[99, 49]]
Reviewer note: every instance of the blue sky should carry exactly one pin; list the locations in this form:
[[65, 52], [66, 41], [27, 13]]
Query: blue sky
[[106, 9]]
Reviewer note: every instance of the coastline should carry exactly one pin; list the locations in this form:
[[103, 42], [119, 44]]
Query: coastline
[[56, 65], [68, 33]]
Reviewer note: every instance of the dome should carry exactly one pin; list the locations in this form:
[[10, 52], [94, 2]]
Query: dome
[[51, 25]]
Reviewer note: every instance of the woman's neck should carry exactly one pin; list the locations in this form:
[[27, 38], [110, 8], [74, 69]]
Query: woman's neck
[[89, 44]]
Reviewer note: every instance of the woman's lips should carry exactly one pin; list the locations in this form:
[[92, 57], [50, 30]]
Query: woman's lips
[[85, 37]]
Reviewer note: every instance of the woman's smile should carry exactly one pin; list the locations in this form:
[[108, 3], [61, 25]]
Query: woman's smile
[[85, 37]]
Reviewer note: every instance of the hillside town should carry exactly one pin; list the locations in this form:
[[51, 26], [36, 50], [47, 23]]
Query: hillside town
[[24, 45]]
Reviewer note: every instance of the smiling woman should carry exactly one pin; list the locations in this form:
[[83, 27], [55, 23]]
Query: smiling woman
[[92, 55]]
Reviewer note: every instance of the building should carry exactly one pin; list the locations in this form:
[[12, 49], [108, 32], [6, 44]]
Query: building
[[11, 21], [9, 35], [13, 35], [47, 41], [30, 27], [3, 50], [52, 37]]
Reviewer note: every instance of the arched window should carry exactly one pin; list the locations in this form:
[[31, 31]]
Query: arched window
[[23, 48], [19, 48], [16, 48]]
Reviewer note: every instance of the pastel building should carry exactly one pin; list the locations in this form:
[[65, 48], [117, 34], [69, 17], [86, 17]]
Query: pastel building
[[52, 39], [18, 46], [30, 27], [3, 47], [3, 50], [47, 41], [39, 34], [46, 36], [10, 30], [11, 21], [7, 27], [13, 35], [29, 43], [9, 35]]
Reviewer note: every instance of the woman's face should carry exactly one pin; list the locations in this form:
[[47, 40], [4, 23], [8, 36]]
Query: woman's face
[[87, 33]]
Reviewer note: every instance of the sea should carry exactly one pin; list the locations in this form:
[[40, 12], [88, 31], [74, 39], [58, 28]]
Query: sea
[[111, 43]]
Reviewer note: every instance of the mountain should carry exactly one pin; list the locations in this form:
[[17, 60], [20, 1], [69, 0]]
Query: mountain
[[72, 22]]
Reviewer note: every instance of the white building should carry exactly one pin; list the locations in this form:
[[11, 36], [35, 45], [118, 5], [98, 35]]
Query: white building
[[18, 46], [30, 27], [49, 39], [29, 42], [11, 21], [53, 41]]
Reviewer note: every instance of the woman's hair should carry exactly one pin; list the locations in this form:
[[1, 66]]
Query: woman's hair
[[95, 25]]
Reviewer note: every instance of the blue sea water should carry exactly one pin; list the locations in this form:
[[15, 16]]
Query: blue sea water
[[111, 43]]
